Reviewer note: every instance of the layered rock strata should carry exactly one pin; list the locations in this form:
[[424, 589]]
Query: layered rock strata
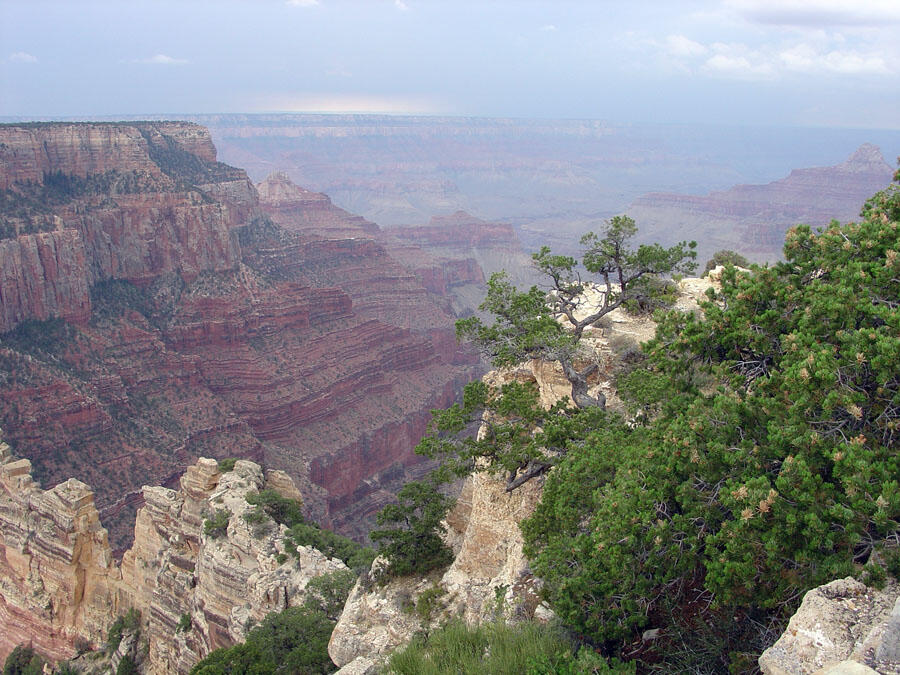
[[60, 581], [192, 325]]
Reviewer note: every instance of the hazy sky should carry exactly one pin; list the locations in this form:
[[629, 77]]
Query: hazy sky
[[818, 62]]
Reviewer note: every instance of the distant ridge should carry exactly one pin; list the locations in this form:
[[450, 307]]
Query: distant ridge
[[753, 219]]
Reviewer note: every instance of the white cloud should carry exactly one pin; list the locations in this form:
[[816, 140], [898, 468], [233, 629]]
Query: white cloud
[[736, 60], [679, 45], [402, 6], [21, 57], [549, 28], [818, 12], [303, 3], [162, 60]]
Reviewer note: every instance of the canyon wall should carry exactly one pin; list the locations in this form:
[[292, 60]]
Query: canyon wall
[[61, 583], [154, 310]]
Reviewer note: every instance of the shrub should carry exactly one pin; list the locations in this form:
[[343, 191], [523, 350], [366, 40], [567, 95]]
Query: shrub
[[412, 541], [127, 666], [128, 622], [184, 623], [282, 510], [292, 641], [227, 464], [23, 661], [327, 593], [217, 524], [725, 257]]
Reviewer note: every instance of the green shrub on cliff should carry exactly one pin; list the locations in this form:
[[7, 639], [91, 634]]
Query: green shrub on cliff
[[23, 661], [410, 536], [292, 641], [496, 648], [767, 460]]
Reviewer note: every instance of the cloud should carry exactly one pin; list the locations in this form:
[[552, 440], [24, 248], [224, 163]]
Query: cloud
[[804, 59], [818, 12], [303, 3], [162, 60], [549, 28], [679, 45], [21, 57], [402, 6], [738, 61]]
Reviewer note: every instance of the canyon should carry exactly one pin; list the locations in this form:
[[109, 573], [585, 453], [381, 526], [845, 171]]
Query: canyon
[[157, 306], [554, 180]]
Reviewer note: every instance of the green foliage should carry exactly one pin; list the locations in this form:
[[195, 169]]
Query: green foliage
[[411, 540], [23, 661], [355, 556], [184, 623], [217, 524], [651, 294], [429, 603], [112, 298], [764, 461], [66, 668], [227, 464], [496, 649], [126, 623], [725, 257], [327, 593], [127, 666], [292, 641], [38, 337], [284, 511]]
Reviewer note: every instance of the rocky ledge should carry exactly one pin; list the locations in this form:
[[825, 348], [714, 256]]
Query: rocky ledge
[[60, 582]]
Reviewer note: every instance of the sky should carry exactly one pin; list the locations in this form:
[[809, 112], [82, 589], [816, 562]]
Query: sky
[[832, 63]]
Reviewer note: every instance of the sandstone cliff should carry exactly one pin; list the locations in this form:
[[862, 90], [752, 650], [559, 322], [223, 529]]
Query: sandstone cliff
[[60, 581], [194, 325]]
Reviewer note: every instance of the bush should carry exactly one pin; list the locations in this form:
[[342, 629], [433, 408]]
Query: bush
[[227, 464], [293, 641], [282, 510], [355, 556], [23, 661], [184, 623], [128, 622], [327, 593], [412, 541], [217, 524], [127, 666], [725, 257]]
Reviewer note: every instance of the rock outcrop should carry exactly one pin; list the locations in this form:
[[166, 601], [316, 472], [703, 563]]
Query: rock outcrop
[[841, 627], [60, 581]]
